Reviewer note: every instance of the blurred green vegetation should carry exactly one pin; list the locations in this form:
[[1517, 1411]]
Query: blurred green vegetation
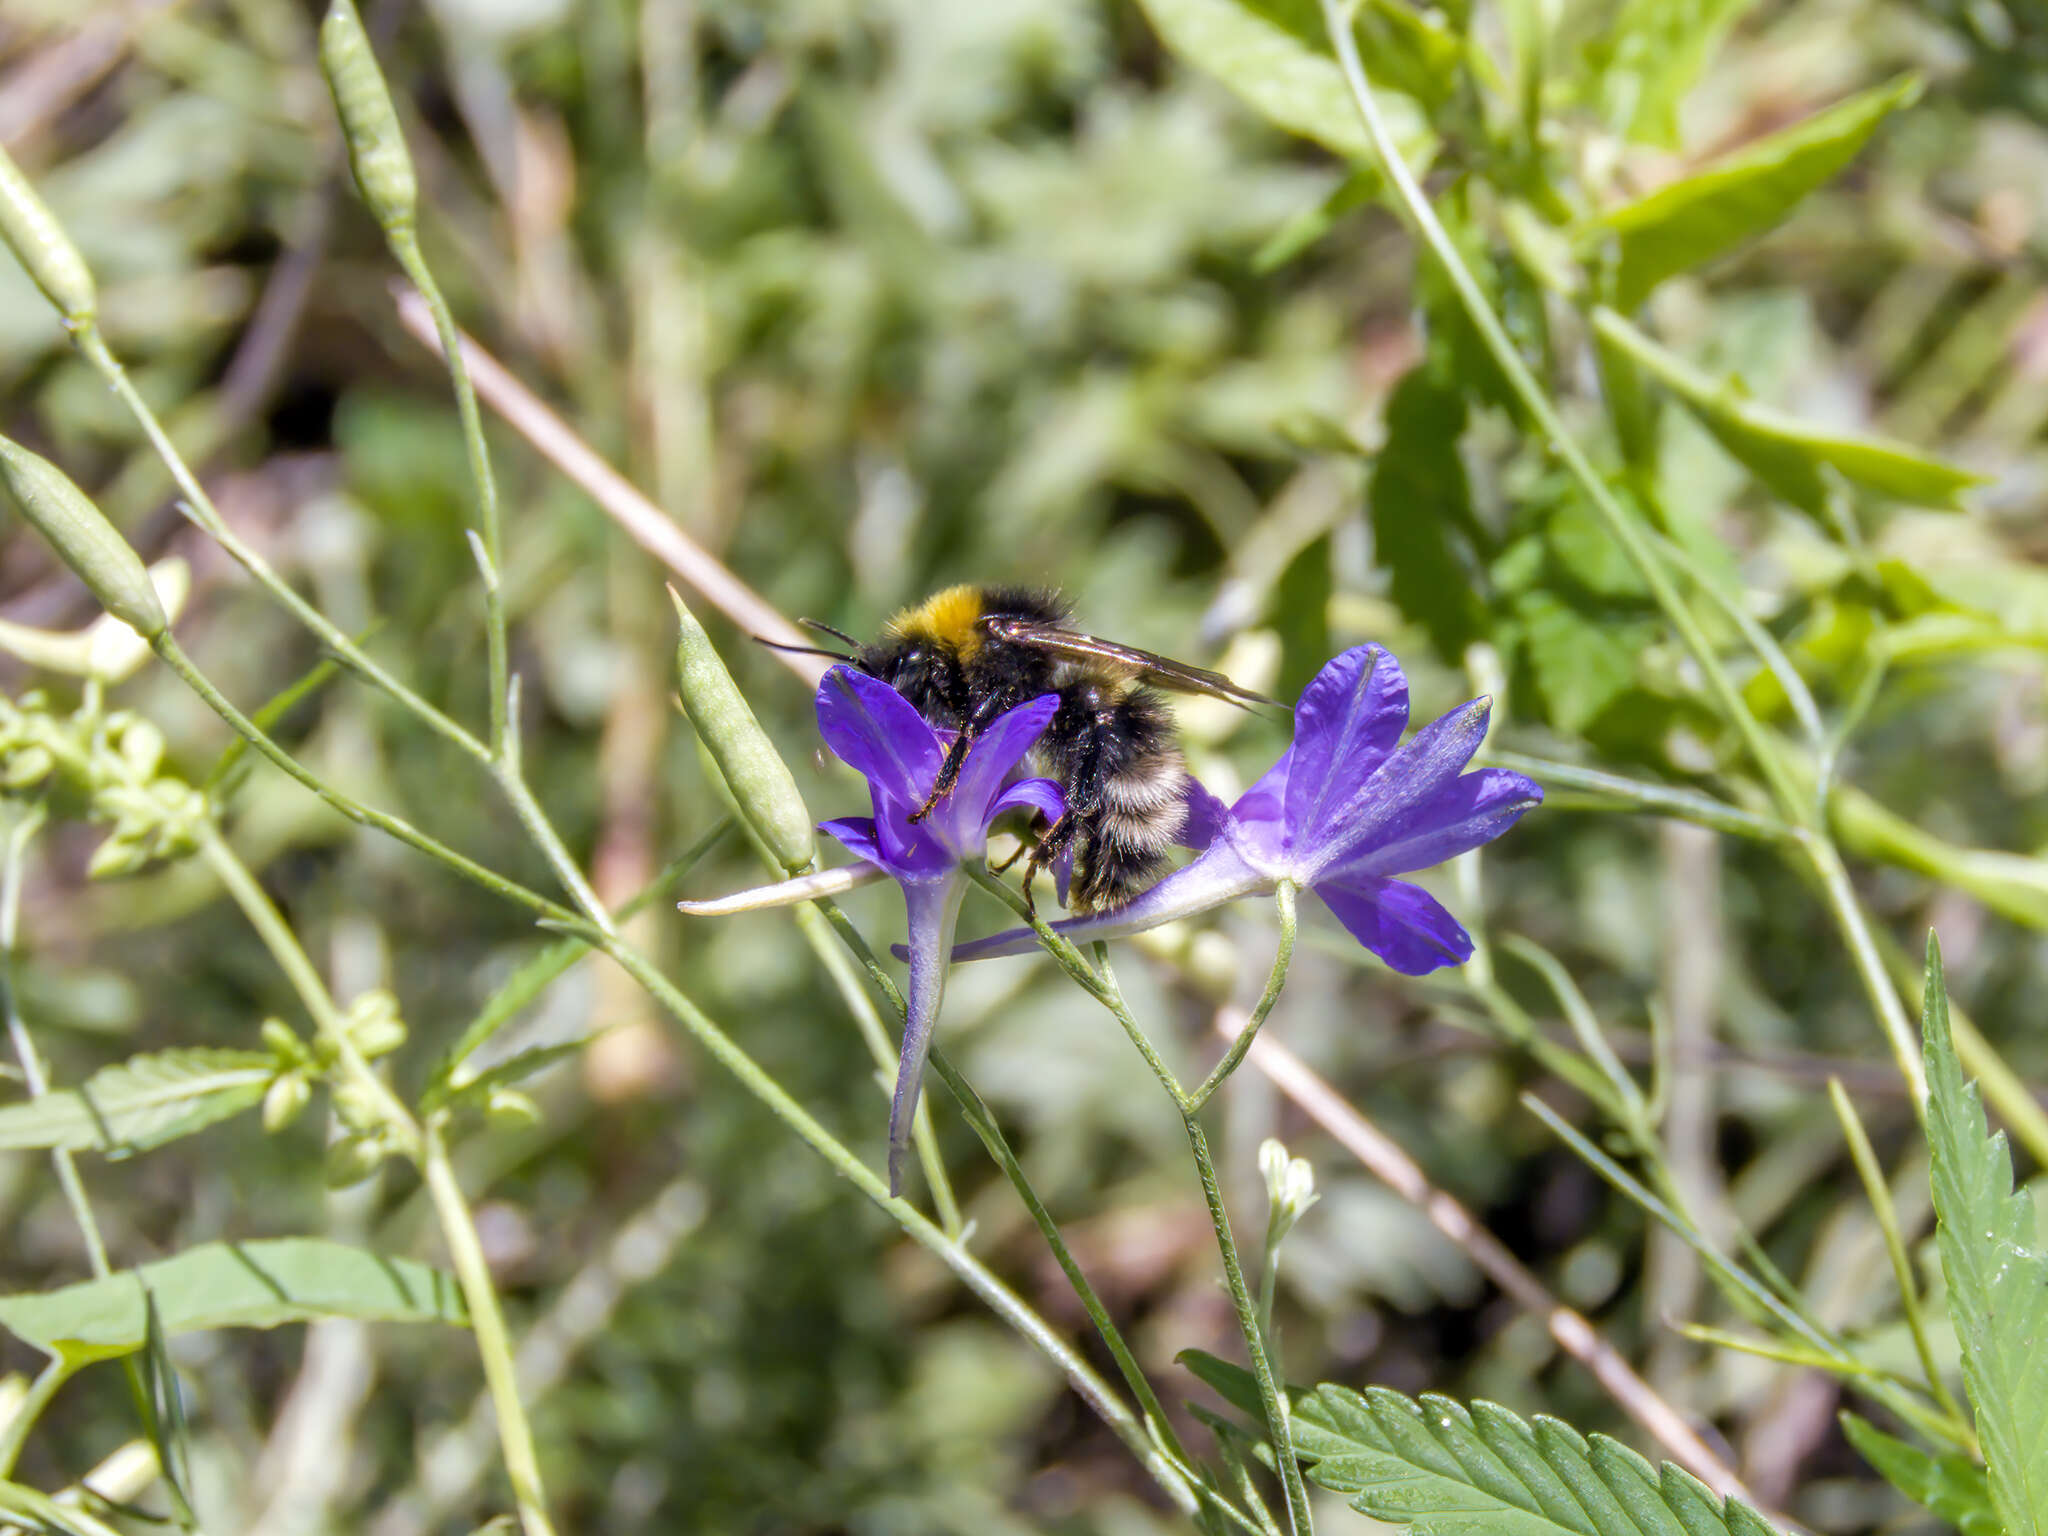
[[875, 296]]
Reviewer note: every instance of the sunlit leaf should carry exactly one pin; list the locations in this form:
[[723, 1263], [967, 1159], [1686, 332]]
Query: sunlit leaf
[[1444, 1468], [260, 1284], [1417, 497], [1990, 1241], [1782, 451], [140, 1103], [1950, 1486], [1739, 196], [1656, 51], [1269, 54], [1582, 661]]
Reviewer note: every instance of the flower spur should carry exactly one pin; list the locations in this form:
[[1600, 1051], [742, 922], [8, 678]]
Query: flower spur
[[873, 729]]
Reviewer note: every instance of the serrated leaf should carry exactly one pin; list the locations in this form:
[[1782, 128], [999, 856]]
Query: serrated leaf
[[1418, 497], [1582, 662], [1448, 1470], [1782, 451], [1990, 1240], [1741, 195], [1951, 1486], [140, 1103], [260, 1284], [1269, 56]]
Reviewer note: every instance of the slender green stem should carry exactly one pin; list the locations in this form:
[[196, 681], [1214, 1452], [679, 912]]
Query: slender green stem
[[493, 1343], [1271, 1397], [507, 772], [11, 873], [174, 657], [199, 506], [1856, 933], [405, 247], [1657, 799], [14, 1435], [1004, 1302], [1283, 900], [291, 958], [1880, 1197]]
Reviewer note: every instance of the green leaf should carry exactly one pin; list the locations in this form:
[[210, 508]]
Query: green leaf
[[1271, 56], [1233, 1383], [1951, 1486], [1417, 495], [140, 1103], [1783, 452], [1305, 228], [1990, 1243], [1582, 662], [261, 1284], [1656, 50], [1741, 195], [1446, 1470]]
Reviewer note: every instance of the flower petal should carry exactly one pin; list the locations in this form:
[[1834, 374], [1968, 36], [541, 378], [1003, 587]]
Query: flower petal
[[872, 728], [1401, 923], [1218, 876], [1349, 718], [933, 908], [856, 835], [1383, 807], [1042, 795], [1473, 808], [1207, 816], [996, 751]]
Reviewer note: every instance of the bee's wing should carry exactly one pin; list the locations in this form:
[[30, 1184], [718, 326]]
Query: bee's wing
[[1159, 671]]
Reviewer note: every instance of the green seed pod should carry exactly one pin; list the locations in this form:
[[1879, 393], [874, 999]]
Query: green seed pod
[[40, 244], [747, 760], [376, 144], [352, 1159], [83, 539]]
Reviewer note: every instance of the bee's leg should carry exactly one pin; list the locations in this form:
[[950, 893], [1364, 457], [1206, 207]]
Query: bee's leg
[[949, 774], [1039, 829], [1047, 851]]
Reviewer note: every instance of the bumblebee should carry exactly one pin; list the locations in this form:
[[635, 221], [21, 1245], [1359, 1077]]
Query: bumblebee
[[965, 655]]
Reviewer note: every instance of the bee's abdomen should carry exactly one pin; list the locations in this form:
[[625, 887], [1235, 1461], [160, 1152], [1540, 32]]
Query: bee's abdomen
[[1115, 754]]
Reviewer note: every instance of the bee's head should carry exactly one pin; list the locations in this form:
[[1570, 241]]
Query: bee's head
[[924, 671]]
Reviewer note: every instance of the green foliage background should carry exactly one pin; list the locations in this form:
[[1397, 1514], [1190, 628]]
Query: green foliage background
[[878, 296]]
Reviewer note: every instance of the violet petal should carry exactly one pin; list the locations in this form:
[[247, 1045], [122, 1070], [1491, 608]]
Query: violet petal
[[1396, 795], [1472, 809], [1349, 719], [997, 750], [872, 728], [1401, 923]]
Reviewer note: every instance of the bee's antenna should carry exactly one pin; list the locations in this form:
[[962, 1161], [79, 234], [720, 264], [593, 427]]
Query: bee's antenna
[[827, 629], [805, 650]]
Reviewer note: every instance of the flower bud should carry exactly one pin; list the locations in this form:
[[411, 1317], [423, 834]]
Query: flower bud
[[141, 748], [1290, 1186], [284, 1043], [376, 144], [124, 852], [25, 767], [284, 1099], [83, 539], [747, 760], [374, 1024], [510, 1109], [351, 1159], [356, 1105], [40, 244]]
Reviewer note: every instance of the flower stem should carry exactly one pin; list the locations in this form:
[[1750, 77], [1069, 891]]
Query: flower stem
[[1270, 1395], [200, 508], [487, 1322], [405, 247], [1283, 901], [1000, 1299], [14, 1434]]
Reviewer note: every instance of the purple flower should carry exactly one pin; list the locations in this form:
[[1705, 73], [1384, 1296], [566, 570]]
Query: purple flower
[[873, 728], [1345, 810]]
